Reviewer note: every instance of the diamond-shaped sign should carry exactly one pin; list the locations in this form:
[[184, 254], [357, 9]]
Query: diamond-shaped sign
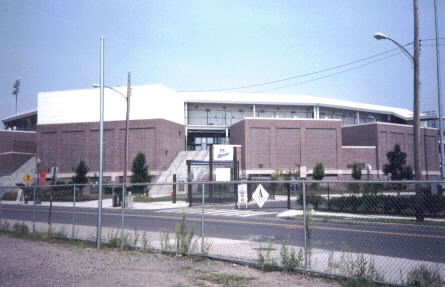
[[260, 195]]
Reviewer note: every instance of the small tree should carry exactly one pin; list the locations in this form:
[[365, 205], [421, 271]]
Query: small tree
[[356, 171], [318, 173], [81, 173], [396, 166], [140, 171], [357, 175]]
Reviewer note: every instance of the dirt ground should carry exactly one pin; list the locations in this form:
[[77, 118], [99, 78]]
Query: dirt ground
[[30, 263]]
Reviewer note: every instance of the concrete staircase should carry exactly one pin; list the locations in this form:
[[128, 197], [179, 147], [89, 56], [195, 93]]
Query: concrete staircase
[[8, 180], [179, 167]]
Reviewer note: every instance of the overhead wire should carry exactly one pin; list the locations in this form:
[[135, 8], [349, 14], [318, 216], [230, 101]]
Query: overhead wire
[[329, 75], [295, 77]]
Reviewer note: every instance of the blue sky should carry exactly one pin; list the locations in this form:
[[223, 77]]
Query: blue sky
[[192, 45]]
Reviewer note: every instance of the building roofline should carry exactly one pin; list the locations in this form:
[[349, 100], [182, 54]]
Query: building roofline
[[18, 131], [20, 115], [385, 123]]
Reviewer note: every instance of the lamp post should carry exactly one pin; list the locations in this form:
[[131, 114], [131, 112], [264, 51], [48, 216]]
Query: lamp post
[[127, 126], [416, 125]]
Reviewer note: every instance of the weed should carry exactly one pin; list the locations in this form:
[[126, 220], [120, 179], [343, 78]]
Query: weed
[[184, 237], [20, 229], [423, 276], [165, 242], [60, 234], [289, 259], [4, 226], [266, 261], [145, 241], [357, 266], [113, 238]]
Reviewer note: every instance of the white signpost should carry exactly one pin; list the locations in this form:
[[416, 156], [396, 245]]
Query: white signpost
[[242, 195], [260, 195]]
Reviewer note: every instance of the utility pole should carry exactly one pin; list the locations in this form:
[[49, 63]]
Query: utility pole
[[439, 104], [416, 126], [127, 123], [16, 92], [101, 145]]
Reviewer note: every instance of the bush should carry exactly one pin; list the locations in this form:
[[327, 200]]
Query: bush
[[384, 204], [20, 229], [314, 200], [424, 276]]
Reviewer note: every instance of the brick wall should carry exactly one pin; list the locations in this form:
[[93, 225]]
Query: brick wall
[[17, 141], [64, 145], [272, 143], [385, 136]]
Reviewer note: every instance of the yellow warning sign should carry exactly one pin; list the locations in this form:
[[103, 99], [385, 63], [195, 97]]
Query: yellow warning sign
[[27, 178]]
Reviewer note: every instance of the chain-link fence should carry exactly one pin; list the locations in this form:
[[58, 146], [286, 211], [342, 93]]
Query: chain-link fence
[[381, 231]]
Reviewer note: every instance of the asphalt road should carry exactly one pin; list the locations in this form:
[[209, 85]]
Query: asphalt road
[[419, 242]]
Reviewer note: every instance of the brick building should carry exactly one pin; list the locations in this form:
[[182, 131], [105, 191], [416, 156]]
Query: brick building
[[274, 131]]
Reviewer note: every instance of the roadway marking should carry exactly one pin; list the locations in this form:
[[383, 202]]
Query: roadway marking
[[218, 212], [288, 226]]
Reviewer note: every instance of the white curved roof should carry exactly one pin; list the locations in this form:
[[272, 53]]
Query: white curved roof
[[158, 101], [285, 99]]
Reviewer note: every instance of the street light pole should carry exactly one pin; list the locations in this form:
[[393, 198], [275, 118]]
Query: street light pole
[[127, 123], [127, 119], [416, 109], [101, 144]]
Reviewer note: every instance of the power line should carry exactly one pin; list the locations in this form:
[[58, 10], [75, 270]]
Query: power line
[[431, 39], [328, 76], [293, 77]]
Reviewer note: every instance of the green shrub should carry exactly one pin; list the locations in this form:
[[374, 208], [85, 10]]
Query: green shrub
[[314, 200], [385, 204], [20, 229]]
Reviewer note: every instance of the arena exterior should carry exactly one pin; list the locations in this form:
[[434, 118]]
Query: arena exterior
[[274, 131]]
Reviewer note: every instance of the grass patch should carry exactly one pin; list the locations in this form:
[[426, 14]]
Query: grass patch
[[357, 283], [226, 279]]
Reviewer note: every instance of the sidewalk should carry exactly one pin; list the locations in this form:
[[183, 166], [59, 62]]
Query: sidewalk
[[299, 213], [107, 203]]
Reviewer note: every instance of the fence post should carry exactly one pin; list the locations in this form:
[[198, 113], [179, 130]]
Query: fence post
[[189, 185], [174, 188], [34, 210], [1, 196], [202, 219], [74, 207], [50, 226], [122, 216], [288, 195], [305, 225]]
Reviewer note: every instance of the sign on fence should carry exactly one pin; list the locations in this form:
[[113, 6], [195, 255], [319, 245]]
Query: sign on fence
[[294, 187], [27, 178], [260, 195], [242, 194]]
